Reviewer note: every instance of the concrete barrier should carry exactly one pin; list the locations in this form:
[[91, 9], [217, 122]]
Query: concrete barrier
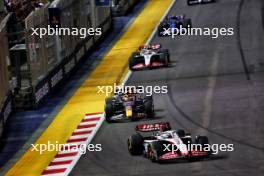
[[5, 93], [52, 58], [122, 7]]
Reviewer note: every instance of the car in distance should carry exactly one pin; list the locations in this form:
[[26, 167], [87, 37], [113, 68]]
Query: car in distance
[[128, 106], [193, 2], [173, 22], [167, 144], [149, 56]]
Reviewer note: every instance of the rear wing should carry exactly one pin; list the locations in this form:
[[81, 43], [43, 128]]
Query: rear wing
[[161, 126], [152, 46]]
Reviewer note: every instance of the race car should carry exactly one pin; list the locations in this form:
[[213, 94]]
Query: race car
[[128, 106], [149, 56], [167, 144], [193, 2], [171, 23]]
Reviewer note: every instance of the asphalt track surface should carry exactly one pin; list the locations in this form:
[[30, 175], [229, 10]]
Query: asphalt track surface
[[211, 92]]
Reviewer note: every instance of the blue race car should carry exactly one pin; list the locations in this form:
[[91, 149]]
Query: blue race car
[[170, 23]]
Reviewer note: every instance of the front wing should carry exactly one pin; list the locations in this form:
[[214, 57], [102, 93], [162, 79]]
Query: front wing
[[122, 117], [175, 155], [152, 65]]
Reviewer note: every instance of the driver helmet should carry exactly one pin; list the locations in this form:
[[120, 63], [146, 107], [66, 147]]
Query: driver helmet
[[166, 135], [125, 97]]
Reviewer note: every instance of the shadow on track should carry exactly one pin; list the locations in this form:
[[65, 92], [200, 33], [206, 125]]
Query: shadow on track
[[211, 158]]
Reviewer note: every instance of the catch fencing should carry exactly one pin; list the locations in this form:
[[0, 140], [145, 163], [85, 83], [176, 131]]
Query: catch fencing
[[53, 58], [5, 93]]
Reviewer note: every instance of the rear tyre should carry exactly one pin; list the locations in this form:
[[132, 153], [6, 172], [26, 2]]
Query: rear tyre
[[164, 59], [135, 144], [189, 3], [109, 100], [149, 108], [148, 98], [132, 61], [203, 140], [2, 127], [181, 133], [109, 111], [160, 30], [187, 23], [167, 55]]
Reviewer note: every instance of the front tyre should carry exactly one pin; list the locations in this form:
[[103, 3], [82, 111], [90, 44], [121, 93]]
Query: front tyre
[[154, 150], [109, 111], [135, 144]]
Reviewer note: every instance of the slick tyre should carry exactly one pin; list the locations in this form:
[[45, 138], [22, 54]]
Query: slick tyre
[[160, 30], [203, 140], [1, 133], [189, 3], [135, 144], [181, 133], [109, 111], [109, 100], [187, 23], [164, 59], [149, 108], [167, 55], [154, 151], [132, 61]]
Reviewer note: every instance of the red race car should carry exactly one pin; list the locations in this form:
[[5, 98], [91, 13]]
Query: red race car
[[167, 144], [149, 56]]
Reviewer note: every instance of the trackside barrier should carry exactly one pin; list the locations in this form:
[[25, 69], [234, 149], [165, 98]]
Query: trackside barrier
[[122, 7], [65, 67], [51, 58], [6, 108], [5, 111], [5, 93]]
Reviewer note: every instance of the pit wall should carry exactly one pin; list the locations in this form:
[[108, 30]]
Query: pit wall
[[5, 93]]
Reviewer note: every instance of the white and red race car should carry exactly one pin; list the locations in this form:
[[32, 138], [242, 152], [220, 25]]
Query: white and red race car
[[149, 56], [167, 144]]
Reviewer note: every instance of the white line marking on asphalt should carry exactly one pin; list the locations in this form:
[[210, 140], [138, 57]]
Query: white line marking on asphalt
[[208, 101]]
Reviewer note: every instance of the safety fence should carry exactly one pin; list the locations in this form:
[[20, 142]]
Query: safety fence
[[53, 58], [122, 7], [49, 60], [6, 109], [5, 93]]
